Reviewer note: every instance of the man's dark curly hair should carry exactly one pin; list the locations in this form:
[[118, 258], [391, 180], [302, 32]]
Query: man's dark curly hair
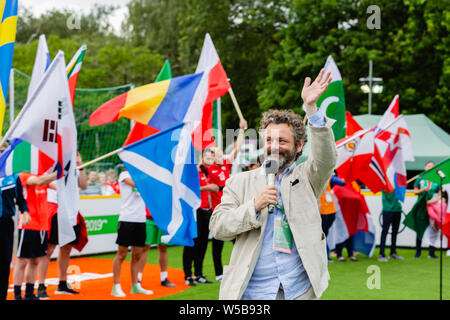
[[289, 117]]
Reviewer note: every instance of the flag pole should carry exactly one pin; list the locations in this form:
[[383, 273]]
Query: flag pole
[[235, 103], [99, 158], [441, 238]]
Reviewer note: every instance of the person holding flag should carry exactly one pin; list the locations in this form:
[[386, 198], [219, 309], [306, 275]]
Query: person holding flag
[[418, 219], [196, 253], [392, 213], [33, 229], [53, 241], [219, 172]]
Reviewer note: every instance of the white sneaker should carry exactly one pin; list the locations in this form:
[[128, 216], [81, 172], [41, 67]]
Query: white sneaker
[[136, 288], [118, 292], [219, 278]]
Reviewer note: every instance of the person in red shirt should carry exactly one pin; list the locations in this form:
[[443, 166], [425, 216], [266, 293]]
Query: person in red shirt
[[63, 259], [219, 172], [33, 227], [196, 253]]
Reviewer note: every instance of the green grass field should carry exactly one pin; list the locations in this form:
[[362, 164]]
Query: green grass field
[[366, 279]]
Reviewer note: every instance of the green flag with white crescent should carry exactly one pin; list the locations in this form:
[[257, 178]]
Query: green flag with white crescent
[[332, 101]]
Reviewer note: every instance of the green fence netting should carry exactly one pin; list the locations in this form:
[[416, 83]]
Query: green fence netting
[[92, 141]]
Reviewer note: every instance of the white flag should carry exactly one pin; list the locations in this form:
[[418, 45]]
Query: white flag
[[41, 64], [47, 122]]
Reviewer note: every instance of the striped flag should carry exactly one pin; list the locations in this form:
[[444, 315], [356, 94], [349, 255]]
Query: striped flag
[[140, 130], [218, 85], [73, 70], [8, 24]]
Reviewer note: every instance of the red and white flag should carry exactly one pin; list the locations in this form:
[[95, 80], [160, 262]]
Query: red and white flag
[[218, 85], [354, 154], [360, 159], [395, 144]]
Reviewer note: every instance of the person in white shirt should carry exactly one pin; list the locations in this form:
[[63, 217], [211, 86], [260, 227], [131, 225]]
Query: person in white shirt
[[130, 232]]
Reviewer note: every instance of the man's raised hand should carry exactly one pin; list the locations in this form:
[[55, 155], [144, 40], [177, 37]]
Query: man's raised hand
[[311, 92]]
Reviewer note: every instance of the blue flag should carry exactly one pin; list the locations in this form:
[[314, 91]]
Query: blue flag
[[164, 171]]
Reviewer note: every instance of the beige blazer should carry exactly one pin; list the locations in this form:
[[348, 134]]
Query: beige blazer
[[235, 216]]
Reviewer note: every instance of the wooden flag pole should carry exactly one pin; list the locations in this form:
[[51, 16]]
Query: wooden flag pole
[[412, 179], [235, 103], [99, 158]]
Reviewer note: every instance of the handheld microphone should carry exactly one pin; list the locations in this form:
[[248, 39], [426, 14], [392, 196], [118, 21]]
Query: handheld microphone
[[271, 169], [440, 173]]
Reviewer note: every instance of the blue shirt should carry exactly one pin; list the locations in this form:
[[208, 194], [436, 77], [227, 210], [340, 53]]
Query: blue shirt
[[275, 268], [11, 195]]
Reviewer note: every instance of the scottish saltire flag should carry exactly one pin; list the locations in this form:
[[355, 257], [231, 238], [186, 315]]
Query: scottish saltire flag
[[164, 170], [160, 105], [8, 24]]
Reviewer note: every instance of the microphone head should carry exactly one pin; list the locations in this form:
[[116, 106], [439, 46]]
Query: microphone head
[[271, 166], [440, 173]]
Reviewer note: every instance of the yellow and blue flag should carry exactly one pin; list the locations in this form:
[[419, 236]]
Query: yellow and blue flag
[[8, 23], [160, 105]]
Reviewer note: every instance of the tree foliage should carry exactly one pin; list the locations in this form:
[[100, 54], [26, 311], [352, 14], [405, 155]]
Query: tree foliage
[[266, 47]]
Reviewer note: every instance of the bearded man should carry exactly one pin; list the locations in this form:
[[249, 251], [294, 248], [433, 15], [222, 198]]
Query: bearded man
[[280, 255]]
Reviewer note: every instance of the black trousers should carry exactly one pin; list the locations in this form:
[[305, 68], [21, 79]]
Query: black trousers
[[217, 247], [327, 221], [348, 244], [390, 218], [431, 249], [196, 253], [6, 248]]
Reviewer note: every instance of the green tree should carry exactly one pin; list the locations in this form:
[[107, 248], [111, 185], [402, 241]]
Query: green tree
[[409, 51], [242, 32], [154, 24]]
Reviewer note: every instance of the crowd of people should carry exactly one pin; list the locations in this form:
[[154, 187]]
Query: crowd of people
[[101, 183], [36, 199]]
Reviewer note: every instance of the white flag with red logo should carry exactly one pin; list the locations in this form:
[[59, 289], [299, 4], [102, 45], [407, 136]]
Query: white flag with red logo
[[47, 122]]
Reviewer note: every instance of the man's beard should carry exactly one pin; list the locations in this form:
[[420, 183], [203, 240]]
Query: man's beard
[[285, 158]]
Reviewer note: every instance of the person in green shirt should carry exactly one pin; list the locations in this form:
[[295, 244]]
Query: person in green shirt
[[392, 213], [422, 186]]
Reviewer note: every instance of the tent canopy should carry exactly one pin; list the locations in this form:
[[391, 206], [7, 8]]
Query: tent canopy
[[430, 142]]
